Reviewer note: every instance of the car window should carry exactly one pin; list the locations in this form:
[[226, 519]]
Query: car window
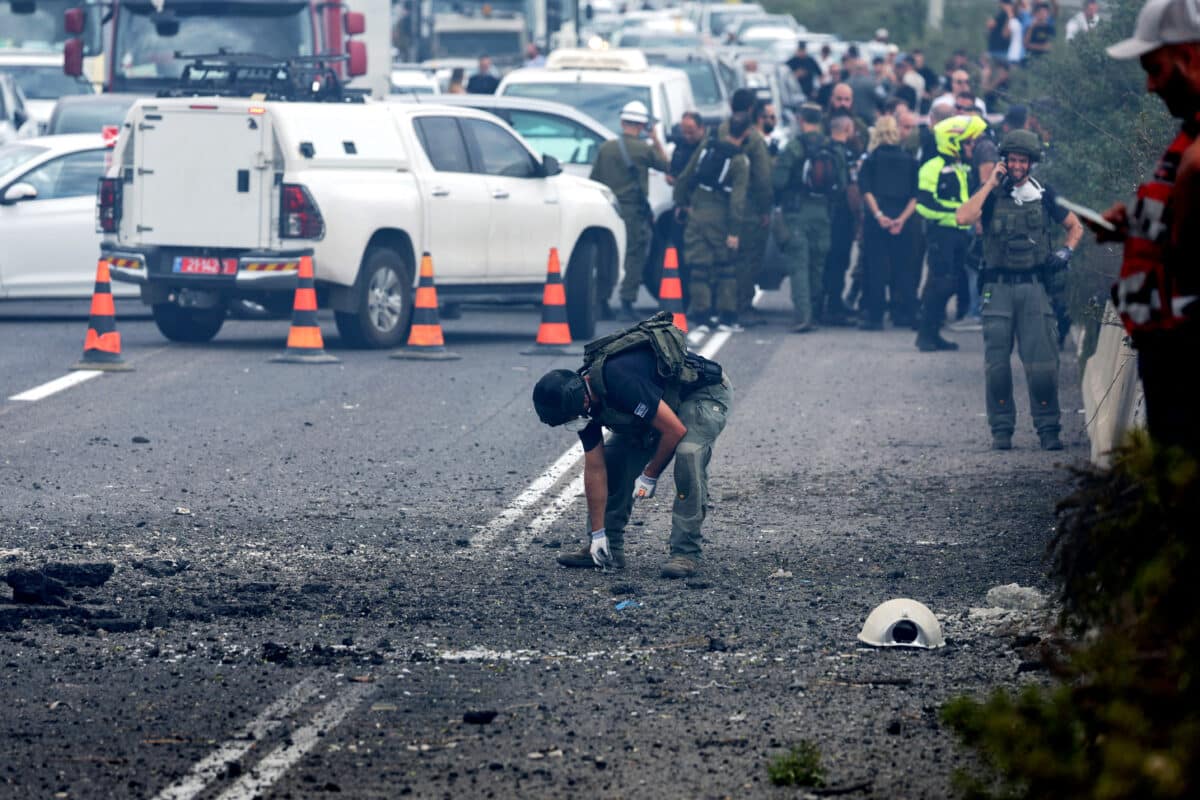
[[552, 135], [47, 83], [73, 175], [499, 152], [443, 143], [89, 117], [14, 155], [600, 101]]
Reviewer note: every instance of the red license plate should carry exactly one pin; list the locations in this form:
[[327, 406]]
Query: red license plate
[[196, 265]]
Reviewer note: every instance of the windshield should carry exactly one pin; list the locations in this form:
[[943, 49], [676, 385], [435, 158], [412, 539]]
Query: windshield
[[88, 117], [41, 30], [721, 21], [648, 39], [276, 30], [13, 156], [600, 101], [46, 83], [500, 45], [701, 75]]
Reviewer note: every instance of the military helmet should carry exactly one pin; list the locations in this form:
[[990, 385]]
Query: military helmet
[[950, 133], [1024, 142], [558, 396]]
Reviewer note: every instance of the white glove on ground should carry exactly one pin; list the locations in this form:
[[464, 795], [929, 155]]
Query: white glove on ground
[[643, 487], [599, 548]]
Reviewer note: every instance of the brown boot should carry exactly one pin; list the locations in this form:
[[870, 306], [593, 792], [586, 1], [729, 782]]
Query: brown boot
[[680, 567]]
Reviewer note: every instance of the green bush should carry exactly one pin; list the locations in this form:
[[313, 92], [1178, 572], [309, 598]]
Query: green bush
[[801, 766], [1124, 719]]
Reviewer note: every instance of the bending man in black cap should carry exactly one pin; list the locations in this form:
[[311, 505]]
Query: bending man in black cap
[[660, 402]]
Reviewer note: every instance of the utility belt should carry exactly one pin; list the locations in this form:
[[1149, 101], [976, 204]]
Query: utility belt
[[1010, 276], [709, 372]]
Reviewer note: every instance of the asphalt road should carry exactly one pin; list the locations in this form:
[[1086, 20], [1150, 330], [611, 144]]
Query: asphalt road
[[318, 570]]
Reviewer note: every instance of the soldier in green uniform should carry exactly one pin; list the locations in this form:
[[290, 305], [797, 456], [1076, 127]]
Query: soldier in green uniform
[[1018, 215], [661, 403], [713, 189], [623, 165], [753, 232], [807, 173]]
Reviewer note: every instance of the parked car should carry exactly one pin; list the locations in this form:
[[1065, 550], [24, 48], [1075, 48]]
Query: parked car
[[41, 78], [718, 21], [708, 85], [414, 80], [88, 113], [366, 188], [48, 217], [552, 129], [15, 120]]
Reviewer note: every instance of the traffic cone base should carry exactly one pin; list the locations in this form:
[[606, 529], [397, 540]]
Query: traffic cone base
[[102, 344], [426, 341], [304, 343], [554, 334], [670, 290]]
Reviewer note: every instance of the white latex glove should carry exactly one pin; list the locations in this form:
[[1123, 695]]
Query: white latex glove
[[643, 487], [599, 548]]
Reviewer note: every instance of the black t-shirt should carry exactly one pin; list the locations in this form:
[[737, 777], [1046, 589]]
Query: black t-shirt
[[681, 156], [997, 42], [633, 386], [1049, 202], [890, 174], [1040, 35], [810, 71]]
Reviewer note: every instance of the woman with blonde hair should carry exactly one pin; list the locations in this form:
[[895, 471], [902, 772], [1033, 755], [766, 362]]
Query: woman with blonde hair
[[888, 182]]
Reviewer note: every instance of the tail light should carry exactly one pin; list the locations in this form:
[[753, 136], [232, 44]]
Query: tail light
[[299, 217], [108, 205]]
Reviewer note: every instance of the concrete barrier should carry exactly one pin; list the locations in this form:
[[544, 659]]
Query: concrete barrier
[[1112, 393]]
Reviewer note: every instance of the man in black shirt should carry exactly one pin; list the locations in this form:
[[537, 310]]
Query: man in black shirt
[[483, 82], [654, 420], [805, 68]]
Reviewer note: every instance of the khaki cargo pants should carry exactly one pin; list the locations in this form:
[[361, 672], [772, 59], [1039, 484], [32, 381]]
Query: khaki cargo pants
[[703, 413], [1020, 311]]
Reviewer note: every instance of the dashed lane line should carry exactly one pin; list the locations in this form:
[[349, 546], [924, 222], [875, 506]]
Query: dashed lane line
[[547, 480], [279, 761], [57, 385], [213, 766]]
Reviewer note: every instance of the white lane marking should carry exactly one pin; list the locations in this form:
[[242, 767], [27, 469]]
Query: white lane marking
[[555, 510], [57, 385], [527, 498], [546, 481], [279, 761], [212, 766]]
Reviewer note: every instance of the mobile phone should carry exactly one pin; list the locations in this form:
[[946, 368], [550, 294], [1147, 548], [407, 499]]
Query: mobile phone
[[1084, 212]]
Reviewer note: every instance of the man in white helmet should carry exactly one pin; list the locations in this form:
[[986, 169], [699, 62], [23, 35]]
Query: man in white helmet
[[622, 164]]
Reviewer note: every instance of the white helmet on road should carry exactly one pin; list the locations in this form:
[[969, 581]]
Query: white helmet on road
[[635, 112], [902, 623]]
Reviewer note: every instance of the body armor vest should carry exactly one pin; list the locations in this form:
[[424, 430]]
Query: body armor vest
[[1018, 236]]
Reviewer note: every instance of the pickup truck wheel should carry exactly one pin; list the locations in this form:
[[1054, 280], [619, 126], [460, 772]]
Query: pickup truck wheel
[[188, 324], [582, 303], [384, 300]]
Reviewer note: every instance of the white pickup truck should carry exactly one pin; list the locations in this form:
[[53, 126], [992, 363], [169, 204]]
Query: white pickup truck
[[212, 200]]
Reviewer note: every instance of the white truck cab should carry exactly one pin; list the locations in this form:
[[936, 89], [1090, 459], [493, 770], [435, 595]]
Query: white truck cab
[[211, 200]]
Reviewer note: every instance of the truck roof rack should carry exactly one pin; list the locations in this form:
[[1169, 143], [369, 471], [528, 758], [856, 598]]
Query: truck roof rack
[[303, 79]]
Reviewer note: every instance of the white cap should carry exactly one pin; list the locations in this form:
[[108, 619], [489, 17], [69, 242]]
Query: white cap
[[635, 112], [1161, 22], [881, 33]]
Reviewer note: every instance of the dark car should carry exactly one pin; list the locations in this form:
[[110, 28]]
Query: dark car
[[88, 113], [704, 74]]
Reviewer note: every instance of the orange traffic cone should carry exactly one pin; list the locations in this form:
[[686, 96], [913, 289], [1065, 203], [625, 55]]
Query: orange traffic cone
[[304, 342], [102, 345], [425, 340], [670, 291], [554, 334]]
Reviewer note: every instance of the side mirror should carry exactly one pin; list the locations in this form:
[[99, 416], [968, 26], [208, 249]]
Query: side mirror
[[358, 58], [74, 21], [73, 57], [166, 24], [356, 23], [18, 192], [550, 166]]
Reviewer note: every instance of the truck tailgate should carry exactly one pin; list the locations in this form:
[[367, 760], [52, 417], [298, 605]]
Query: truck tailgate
[[202, 177]]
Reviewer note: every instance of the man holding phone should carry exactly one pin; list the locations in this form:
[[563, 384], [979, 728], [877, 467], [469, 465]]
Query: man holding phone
[[1158, 293], [1018, 214]]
